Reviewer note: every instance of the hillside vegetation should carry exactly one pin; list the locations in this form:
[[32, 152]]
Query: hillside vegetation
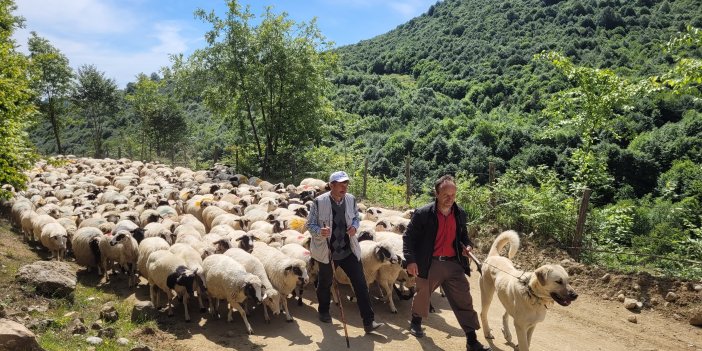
[[558, 95]]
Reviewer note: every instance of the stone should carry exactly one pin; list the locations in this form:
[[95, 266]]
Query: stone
[[620, 297], [698, 287], [93, 340], [72, 315], [655, 301], [671, 296], [49, 278], [604, 297], [96, 325], [15, 336], [630, 304], [76, 326], [144, 311], [632, 319], [696, 317], [107, 333], [122, 341], [141, 348], [108, 313], [606, 278]]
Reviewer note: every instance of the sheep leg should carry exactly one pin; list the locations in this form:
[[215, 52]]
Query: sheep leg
[[151, 294], [169, 305], [199, 289], [185, 306], [266, 317], [284, 302], [299, 295], [238, 307]]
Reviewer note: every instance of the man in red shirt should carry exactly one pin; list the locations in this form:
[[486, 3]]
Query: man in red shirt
[[435, 246]]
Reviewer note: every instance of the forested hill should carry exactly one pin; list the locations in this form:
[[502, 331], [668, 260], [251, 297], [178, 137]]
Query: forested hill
[[458, 87]]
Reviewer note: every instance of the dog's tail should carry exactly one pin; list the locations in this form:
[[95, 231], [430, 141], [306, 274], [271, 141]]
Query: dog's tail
[[507, 237]]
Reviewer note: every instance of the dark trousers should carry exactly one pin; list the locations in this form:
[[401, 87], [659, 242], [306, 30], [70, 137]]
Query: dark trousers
[[450, 275], [354, 270]]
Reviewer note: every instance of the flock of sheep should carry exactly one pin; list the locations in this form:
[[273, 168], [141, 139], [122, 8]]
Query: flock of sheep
[[196, 234]]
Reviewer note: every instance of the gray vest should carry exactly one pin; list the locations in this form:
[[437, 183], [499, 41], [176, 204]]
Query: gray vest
[[318, 244]]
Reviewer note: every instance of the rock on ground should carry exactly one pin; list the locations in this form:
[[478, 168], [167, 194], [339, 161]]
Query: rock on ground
[[49, 278], [16, 337]]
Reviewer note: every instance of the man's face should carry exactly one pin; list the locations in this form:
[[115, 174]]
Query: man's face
[[446, 195], [339, 189]]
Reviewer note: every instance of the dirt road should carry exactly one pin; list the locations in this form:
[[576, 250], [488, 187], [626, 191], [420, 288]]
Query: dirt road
[[589, 324]]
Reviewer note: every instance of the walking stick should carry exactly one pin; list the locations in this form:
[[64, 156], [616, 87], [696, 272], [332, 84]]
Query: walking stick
[[335, 286], [475, 259]]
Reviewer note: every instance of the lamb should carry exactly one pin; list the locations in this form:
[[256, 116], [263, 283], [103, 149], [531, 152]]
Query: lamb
[[146, 248], [254, 266], [54, 237], [295, 250], [124, 250], [394, 272], [283, 271], [86, 248], [169, 272], [228, 280]]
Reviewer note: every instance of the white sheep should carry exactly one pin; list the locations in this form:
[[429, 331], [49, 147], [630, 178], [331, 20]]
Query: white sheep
[[227, 280], [254, 266], [283, 272], [388, 275], [86, 247], [193, 261], [156, 229], [54, 237], [123, 249], [295, 250], [146, 248], [374, 255], [169, 272]]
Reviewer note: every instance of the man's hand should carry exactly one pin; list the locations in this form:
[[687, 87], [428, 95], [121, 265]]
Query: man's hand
[[325, 231], [467, 250], [351, 230], [412, 269]]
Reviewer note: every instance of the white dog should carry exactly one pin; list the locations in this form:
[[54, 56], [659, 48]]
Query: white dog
[[525, 295]]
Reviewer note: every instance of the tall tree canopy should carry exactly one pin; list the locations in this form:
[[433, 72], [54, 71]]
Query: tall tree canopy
[[269, 79], [51, 81], [16, 108], [97, 100]]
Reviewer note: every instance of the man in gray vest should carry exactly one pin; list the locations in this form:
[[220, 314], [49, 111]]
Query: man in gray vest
[[333, 221]]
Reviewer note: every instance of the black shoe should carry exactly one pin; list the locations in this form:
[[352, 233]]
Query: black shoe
[[325, 317], [372, 326], [477, 346], [416, 330]]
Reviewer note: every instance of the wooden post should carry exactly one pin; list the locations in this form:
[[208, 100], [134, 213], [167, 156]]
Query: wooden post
[[365, 178], [582, 214], [491, 177], [408, 191]]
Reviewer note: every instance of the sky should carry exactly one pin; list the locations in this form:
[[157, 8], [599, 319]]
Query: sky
[[126, 37]]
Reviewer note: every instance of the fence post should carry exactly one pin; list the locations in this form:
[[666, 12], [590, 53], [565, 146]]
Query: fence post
[[491, 177], [408, 191], [365, 178], [582, 214]]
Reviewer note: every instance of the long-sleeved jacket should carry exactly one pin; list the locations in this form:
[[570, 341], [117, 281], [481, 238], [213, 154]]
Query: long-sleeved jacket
[[418, 239]]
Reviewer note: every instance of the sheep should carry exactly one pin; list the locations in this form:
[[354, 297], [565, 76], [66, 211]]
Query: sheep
[[395, 224], [219, 243], [54, 237], [27, 222], [169, 272], [373, 256], [146, 248], [293, 236], [202, 248], [242, 240], [100, 223], [194, 222], [366, 230], [194, 262], [228, 280], [131, 227], [124, 250], [38, 222], [266, 227], [283, 271], [295, 250], [254, 266], [149, 216], [375, 213], [159, 230], [395, 272], [86, 248], [230, 219]]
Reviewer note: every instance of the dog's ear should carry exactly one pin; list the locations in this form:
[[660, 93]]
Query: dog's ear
[[542, 273]]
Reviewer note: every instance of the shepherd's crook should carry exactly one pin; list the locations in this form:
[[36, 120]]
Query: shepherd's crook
[[336, 289]]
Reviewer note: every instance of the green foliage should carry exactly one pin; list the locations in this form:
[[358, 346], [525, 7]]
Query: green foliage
[[52, 77], [268, 78], [16, 108], [96, 98], [686, 75]]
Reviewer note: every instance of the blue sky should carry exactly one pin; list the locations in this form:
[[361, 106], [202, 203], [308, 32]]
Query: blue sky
[[126, 37]]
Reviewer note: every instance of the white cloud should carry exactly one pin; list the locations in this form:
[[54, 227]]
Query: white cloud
[[86, 16], [169, 37], [410, 8]]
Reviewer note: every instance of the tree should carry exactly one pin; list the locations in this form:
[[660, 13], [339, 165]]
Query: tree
[[269, 79], [590, 108], [96, 98], [16, 108], [686, 75], [52, 82]]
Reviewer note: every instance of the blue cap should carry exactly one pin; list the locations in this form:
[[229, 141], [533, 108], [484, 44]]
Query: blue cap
[[338, 176]]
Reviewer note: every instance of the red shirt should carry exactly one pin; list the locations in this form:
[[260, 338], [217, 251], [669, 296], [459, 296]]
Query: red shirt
[[445, 235]]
